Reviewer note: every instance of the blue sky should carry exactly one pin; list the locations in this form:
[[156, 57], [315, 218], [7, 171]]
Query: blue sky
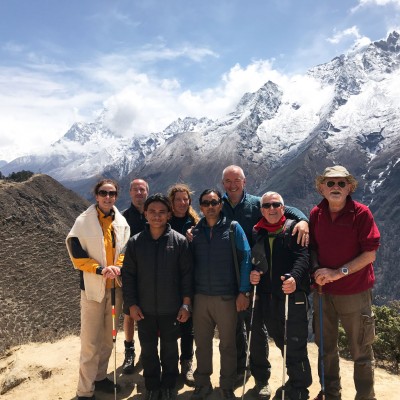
[[152, 61]]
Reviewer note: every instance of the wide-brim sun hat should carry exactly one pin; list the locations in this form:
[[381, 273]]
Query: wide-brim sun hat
[[336, 171]]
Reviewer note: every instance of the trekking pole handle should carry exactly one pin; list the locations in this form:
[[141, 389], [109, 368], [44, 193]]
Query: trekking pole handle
[[319, 289], [259, 271], [287, 276]]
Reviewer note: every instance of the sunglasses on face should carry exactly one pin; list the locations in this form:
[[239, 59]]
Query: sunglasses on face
[[275, 204], [208, 203], [104, 193], [341, 184]]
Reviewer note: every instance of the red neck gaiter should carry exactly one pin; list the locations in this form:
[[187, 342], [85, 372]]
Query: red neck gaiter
[[264, 224]]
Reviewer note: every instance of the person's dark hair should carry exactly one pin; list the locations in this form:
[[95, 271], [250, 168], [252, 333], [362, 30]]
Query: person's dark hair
[[208, 191], [160, 198], [104, 181]]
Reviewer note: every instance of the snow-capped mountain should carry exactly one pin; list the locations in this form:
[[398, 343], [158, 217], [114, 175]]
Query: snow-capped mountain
[[353, 96], [88, 150], [346, 111]]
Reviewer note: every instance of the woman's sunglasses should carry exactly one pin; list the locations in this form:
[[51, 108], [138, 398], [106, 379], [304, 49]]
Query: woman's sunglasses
[[104, 193]]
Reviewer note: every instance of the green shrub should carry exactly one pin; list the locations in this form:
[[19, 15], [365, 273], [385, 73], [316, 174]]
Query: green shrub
[[387, 340], [20, 176]]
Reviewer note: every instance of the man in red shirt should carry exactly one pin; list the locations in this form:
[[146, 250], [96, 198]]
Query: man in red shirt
[[344, 240]]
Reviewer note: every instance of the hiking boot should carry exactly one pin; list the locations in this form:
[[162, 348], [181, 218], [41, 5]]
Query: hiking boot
[[187, 372], [201, 392], [293, 394], [278, 393], [321, 396], [106, 386], [152, 394], [240, 378], [168, 394], [262, 390], [129, 361], [227, 394]]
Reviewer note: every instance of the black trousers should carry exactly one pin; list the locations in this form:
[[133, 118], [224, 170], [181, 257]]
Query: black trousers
[[187, 339], [159, 371], [260, 366], [297, 363]]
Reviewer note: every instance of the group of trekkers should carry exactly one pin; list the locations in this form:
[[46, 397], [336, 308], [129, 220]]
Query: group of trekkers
[[246, 267]]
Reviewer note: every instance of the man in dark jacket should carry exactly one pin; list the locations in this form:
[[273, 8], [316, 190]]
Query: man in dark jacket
[[275, 253], [134, 215], [157, 288], [243, 207], [220, 292]]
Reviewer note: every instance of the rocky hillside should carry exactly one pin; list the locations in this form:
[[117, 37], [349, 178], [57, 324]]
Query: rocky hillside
[[39, 288]]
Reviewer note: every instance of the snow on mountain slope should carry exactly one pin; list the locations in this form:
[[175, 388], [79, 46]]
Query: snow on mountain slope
[[299, 114], [372, 117], [350, 102]]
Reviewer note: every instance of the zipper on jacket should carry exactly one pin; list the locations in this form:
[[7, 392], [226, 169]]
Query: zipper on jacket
[[157, 245], [209, 252]]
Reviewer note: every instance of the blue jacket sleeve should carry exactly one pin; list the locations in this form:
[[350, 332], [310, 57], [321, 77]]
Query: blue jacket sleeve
[[242, 245], [295, 213]]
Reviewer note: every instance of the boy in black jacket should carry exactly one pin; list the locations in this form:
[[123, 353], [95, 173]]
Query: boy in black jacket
[[157, 288]]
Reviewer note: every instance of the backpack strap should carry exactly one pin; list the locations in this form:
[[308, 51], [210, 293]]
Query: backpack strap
[[232, 228], [258, 256], [287, 231]]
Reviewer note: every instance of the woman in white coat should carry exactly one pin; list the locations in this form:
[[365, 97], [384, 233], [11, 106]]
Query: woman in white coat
[[96, 246]]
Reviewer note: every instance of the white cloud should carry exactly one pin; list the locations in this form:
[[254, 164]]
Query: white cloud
[[364, 3], [41, 99], [40, 102], [341, 35], [345, 35], [160, 51], [36, 109], [148, 105]]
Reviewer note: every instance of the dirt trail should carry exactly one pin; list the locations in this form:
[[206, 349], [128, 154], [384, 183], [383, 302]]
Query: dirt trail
[[50, 371]]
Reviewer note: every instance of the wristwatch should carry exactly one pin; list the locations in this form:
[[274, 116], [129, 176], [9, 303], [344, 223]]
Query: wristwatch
[[247, 294], [344, 270], [186, 307]]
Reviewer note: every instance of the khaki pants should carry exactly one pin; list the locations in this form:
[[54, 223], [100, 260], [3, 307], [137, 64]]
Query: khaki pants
[[96, 339], [208, 312], [355, 315]]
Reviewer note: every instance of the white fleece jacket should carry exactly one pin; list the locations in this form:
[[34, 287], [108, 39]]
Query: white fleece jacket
[[88, 230]]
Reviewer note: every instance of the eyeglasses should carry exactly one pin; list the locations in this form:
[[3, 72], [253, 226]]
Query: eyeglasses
[[341, 184], [275, 204], [104, 193], [208, 203]]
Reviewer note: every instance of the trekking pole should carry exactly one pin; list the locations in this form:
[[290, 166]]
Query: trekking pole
[[248, 342], [114, 335], [321, 344], [287, 276]]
